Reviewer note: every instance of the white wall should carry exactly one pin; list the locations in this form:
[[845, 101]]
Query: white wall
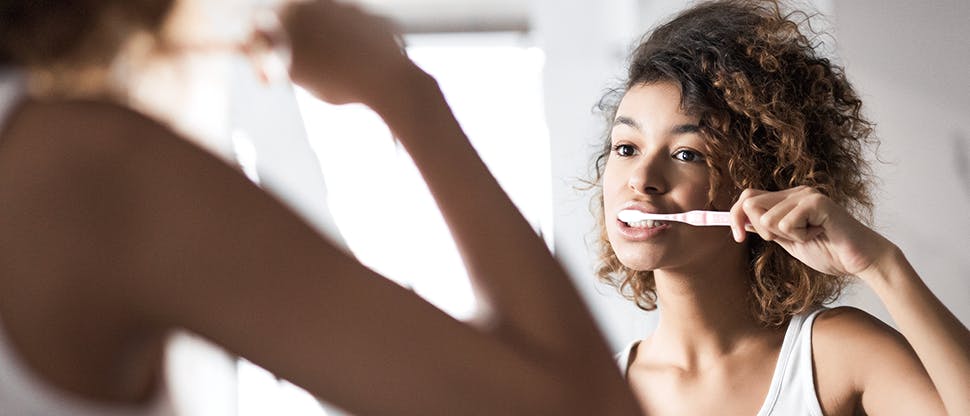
[[911, 61]]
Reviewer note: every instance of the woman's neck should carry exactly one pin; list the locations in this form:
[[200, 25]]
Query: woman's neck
[[705, 313]]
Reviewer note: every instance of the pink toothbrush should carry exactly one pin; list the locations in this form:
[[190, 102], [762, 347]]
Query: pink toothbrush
[[691, 217]]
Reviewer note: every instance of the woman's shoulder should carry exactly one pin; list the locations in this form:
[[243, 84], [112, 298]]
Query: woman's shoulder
[[98, 157], [854, 336], [851, 347], [76, 124], [844, 323], [80, 181], [71, 140], [96, 140]]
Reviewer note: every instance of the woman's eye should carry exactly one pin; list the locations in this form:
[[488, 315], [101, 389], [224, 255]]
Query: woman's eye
[[688, 156], [624, 150]]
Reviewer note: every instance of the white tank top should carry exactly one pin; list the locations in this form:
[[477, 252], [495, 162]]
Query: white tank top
[[22, 393], [792, 390]]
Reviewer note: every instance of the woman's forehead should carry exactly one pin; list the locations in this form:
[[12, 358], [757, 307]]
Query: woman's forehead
[[652, 105]]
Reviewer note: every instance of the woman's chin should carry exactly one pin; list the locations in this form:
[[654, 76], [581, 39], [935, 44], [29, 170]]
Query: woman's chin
[[639, 261]]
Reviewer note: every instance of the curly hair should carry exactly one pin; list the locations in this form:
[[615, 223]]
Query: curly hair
[[79, 38], [775, 115]]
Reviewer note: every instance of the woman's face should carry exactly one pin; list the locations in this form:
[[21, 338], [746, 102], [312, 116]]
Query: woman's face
[[657, 164]]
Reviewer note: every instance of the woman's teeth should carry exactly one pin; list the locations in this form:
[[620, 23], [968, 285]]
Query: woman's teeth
[[645, 224]]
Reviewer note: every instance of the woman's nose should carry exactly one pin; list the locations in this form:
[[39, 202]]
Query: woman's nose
[[647, 177]]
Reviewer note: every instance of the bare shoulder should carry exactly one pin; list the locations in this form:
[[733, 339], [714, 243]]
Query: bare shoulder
[[77, 224], [860, 362], [848, 324], [63, 196], [78, 118], [75, 181], [80, 130], [856, 340], [74, 151], [93, 149]]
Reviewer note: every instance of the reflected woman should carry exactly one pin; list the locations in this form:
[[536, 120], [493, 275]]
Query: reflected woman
[[729, 106]]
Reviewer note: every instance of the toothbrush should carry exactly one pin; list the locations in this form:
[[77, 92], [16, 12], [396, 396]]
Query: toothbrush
[[697, 217]]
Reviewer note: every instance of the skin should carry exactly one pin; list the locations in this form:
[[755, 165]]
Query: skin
[[117, 231], [708, 354]]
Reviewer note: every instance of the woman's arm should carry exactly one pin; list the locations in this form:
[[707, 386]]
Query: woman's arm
[[527, 298], [220, 257], [821, 234], [131, 231], [937, 336], [195, 245], [225, 260]]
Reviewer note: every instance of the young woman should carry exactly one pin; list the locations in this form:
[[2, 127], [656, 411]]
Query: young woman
[[116, 231], [730, 107]]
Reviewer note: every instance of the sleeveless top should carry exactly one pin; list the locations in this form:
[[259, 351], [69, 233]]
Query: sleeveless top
[[792, 390], [22, 393]]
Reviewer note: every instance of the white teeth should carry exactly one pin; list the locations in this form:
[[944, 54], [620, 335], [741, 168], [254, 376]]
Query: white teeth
[[645, 224]]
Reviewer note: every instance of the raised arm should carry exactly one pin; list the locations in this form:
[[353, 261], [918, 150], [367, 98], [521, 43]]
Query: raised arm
[[146, 232], [220, 257], [891, 377], [528, 299]]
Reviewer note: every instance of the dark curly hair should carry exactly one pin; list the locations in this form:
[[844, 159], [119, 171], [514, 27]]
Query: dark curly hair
[[43, 32], [68, 44], [775, 114]]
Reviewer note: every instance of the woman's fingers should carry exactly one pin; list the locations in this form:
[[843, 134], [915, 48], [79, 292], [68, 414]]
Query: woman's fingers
[[342, 53], [749, 208], [799, 217], [777, 219], [807, 218], [738, 216], [796, 224], [795, 214]]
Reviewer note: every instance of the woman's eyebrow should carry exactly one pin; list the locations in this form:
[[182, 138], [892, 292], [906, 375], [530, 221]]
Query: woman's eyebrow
[[676, 130], [685, 129], [626, 121]]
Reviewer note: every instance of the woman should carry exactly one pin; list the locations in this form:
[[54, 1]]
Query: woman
[[729, 107], [116, 231]]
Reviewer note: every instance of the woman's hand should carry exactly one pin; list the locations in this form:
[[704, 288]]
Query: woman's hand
[[344, 55], [811, 227]]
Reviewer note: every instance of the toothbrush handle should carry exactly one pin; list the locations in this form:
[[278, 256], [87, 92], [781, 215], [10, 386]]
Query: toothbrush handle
[[717, 218], [708, 218]]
